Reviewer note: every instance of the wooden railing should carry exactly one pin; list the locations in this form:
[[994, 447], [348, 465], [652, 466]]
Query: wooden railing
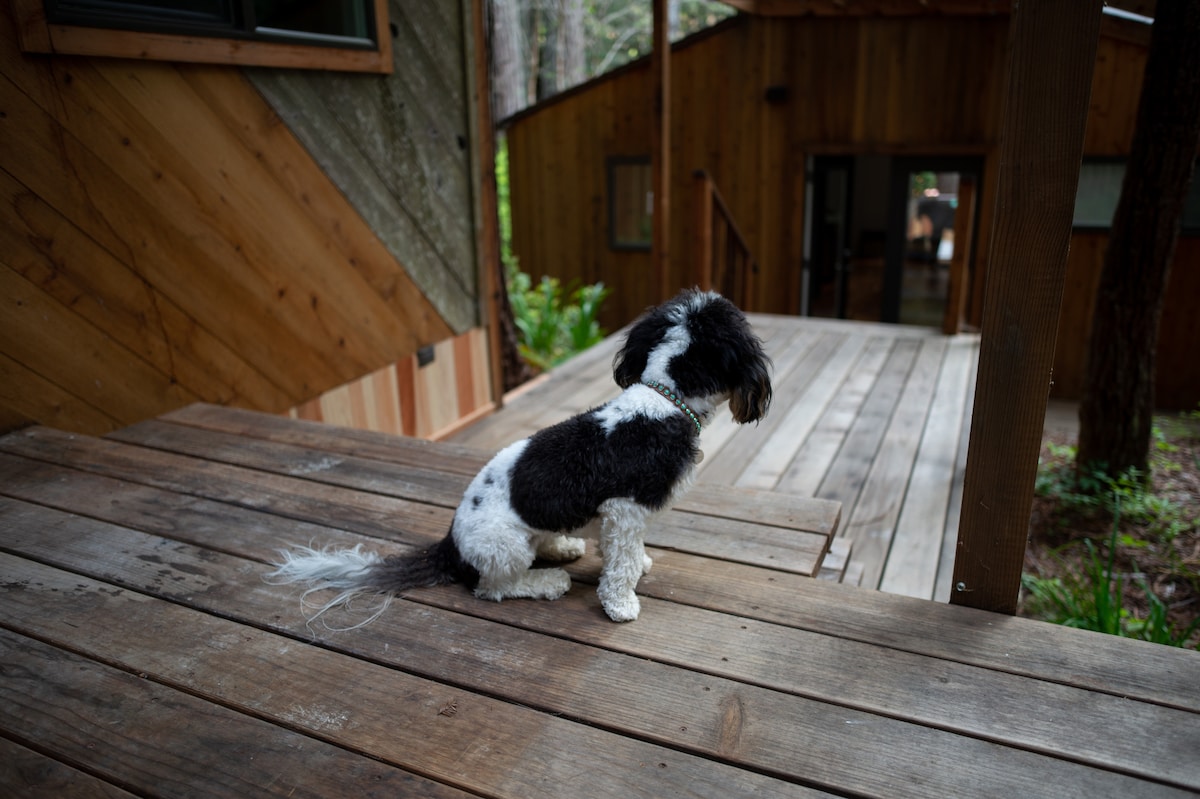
[[724, 262]]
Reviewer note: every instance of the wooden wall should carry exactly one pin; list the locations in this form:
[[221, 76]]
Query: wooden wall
[[921, 85], [167, 238], [431, 397], [399, 148], [851, 85]]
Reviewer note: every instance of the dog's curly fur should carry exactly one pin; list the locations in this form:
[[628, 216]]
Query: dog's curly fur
[[604, 473]]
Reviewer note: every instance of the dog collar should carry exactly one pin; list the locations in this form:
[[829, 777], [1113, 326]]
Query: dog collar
[[661, 389]]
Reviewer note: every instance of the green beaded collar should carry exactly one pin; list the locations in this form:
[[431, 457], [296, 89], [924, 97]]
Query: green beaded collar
[[661, 389]]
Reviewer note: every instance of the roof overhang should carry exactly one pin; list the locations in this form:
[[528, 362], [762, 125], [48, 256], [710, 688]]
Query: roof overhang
[[896, 8]]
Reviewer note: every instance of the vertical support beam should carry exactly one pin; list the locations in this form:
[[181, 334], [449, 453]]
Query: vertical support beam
[[702, 235], [1052, 54], [964, 233], [487, 227], [660, 160]]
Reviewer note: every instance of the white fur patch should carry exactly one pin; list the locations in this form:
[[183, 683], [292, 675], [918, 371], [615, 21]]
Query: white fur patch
[[637, 400], [674, 343]]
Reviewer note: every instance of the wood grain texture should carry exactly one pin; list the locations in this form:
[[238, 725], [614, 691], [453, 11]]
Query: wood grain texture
[[1049, 78], [163, 219], [133, 599], [858, 81]]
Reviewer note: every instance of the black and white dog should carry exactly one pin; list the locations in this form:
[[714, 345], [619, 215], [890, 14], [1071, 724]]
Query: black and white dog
[[603, 473]]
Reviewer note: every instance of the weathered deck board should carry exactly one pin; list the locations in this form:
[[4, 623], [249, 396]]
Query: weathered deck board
[[142, 650], [866, 415]]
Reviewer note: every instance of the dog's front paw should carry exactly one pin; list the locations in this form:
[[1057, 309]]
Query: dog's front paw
[[647, 562], [623, 608]]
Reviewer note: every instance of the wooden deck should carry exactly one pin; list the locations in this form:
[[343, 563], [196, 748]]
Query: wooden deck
[[876, 417], [144, 655]]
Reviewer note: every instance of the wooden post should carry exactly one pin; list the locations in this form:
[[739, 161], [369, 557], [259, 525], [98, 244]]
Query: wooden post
[[1052, 54], [702, 246], [660, 66], [964, 232]]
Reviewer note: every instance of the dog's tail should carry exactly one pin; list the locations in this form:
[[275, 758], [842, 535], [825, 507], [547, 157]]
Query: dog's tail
[[361, 573]]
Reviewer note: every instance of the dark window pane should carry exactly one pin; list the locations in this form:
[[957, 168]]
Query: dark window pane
[[348, 18]]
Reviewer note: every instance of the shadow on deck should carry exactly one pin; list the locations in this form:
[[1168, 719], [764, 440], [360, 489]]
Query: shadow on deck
[[876, 417]]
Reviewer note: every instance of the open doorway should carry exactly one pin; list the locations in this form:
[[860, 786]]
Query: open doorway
[[885, 234]]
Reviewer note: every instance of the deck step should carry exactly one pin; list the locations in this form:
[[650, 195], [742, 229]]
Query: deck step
[[833, 567], [854, 574]]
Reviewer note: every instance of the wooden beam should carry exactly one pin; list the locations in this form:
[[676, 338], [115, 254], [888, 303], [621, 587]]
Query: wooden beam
[[1052, 52], [487, 228], [660, 67]]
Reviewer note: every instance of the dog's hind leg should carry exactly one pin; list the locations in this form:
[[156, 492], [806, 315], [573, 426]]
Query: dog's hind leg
[[503, 556], [622, 524], [560, 548]]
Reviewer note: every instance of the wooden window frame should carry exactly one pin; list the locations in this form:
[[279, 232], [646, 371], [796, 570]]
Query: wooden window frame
[[612, 164], [37, 35], [1189, 224]]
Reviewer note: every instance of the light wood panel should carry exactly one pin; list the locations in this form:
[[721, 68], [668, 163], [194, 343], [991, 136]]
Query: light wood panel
[[407, 398]]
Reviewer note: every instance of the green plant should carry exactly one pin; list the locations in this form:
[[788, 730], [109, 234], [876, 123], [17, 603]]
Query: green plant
[[554, 324], [1094, 598]]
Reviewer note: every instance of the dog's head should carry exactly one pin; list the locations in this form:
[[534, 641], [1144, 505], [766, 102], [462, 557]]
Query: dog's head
[[702, 344]]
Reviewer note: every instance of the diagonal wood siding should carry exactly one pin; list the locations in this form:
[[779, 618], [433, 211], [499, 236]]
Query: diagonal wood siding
[[166, 238]]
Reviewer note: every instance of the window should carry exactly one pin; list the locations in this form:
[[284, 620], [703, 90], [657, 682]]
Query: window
[[1100, 189], [315, 34], [630, 203]]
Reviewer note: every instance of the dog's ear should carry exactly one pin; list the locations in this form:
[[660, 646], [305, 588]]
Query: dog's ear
[[630, 361], [750, 399]]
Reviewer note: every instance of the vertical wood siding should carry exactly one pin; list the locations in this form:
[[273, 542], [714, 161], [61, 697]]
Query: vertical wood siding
[[910, 85], [923, 85], [406, 398]]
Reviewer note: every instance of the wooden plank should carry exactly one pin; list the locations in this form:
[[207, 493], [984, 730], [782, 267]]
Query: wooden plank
[[127, 728], [815, 457], [728, 445], [1051, 57], [728, 534], [760, 507], [871, 526], [289, 164], [1047, 652], [945, 571], [132, 387], [450, 458], [484, 744], [765, 469], [55, 255], [698, 702], [33, 775], [28, 396], [367, 513], [912, 561], [168, 137], [166, 258], [845, 478]]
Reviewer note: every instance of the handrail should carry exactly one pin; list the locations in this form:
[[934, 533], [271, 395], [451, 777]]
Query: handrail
[[723, 262]]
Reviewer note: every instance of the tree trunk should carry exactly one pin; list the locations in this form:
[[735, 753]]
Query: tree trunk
[[508, 59], [571, 46], [1115, 415]]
